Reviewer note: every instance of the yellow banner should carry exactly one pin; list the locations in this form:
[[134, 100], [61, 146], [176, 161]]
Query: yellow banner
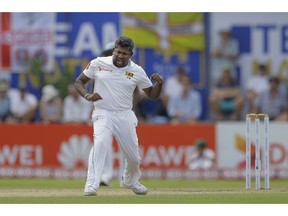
[[175, 31]]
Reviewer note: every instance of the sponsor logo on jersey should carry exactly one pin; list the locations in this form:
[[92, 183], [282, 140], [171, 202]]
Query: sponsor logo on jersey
[[104, 69], [129, 74]]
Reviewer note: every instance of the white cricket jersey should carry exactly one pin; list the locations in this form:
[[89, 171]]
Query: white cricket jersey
[[116, 85]]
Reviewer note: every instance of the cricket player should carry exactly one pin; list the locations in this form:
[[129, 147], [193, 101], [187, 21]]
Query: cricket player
[[115, 79]]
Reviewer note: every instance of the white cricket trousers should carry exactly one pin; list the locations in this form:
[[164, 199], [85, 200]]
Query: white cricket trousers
[[107, 173], [121, 124]]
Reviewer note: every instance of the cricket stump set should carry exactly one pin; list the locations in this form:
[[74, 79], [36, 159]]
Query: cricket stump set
[[259, 132]]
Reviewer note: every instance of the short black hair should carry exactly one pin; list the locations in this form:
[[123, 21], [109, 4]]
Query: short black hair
[[124, 41], [201, 144], [262, 67]]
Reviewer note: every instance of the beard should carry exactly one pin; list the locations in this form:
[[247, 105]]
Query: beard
[[119, 62]]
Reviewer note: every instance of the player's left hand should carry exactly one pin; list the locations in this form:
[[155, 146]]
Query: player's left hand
[[93, 97], [156, 77]]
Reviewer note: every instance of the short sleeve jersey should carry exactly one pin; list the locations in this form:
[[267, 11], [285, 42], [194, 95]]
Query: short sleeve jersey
[[116, 85]]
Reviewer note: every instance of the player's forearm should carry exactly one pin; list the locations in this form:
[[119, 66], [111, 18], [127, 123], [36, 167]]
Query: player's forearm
[[155, 91], [80, 87]]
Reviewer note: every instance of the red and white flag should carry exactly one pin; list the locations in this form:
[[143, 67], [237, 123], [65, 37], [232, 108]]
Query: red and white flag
[[26, 36]]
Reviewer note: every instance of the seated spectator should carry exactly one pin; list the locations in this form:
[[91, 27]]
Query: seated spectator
[[108, 49], [172, 86], [157, 111], [226, 99], [256, 85], [272, 102], [186, 107], [50, 105], [202, 158], [23, 105], [149, 111], [75, 108], [226, 53], [5, 105]]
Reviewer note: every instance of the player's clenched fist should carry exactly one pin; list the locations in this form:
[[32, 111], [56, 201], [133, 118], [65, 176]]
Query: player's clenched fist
[[93, 97], [156, 77]]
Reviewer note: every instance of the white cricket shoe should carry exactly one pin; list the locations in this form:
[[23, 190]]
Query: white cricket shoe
[[137, 188], [90, 192]]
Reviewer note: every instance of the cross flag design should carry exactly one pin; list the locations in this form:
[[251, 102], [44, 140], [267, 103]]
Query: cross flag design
[[24, 37], [173, 31]]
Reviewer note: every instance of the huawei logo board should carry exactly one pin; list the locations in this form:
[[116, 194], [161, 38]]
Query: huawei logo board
[[74, 153]]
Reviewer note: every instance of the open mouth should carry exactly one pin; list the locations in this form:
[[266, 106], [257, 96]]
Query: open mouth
[[119, 61]]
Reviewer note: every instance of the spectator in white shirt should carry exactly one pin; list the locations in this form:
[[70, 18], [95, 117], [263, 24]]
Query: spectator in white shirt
[[256, 85], [272, 101], [23, 105], [75, 108], [50, 105], [173, 86], [203, 158], [226, 53], [186, 107]]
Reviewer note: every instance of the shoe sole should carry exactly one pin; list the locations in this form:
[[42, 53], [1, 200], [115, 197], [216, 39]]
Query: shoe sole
[[90, 194], [142, 193], [130, 187]]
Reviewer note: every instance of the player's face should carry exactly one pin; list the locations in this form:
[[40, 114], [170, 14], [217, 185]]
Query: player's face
[[121, 56]]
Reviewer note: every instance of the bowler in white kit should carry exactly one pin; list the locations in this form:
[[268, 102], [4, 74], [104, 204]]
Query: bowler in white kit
[[115, 79]]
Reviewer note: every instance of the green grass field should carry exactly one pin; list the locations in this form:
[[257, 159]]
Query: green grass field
[[52, 191]]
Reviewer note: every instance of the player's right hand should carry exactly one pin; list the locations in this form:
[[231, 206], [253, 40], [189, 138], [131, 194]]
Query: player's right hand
[[93, 97]]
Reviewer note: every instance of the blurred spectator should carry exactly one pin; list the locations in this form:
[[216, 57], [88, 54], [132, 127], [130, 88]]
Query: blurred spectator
[[272, 102], [202, 158], [172, 86], [224, 54], [226, 99], [149, 111], [75, 108], [50, 105], [186, 107], [23, 105], [256, 85], [108, 50], [5, 105], [157, 111]]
